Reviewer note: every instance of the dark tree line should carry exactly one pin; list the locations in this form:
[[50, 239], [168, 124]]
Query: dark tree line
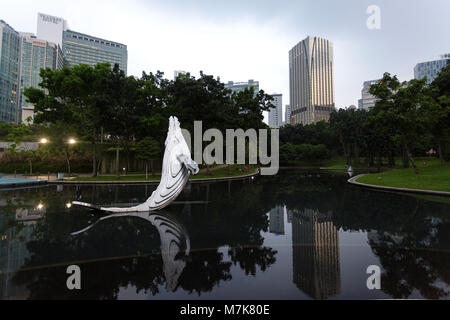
[[408, 119], [102, 104]]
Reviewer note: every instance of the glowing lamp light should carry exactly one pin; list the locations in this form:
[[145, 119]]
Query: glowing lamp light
[[68, 205], [40, 206], [71, 141], [43, 141]]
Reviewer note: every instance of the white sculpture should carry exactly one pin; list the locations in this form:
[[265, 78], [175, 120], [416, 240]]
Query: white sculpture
[[176, 168]]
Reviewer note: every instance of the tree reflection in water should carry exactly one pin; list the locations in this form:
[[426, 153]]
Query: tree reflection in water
[[410, 236]]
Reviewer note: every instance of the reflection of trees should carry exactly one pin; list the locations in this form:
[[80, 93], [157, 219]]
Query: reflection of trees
[[250, 257], [410, 236], [235, 221], [410, 265], [125, 252], [100, 254], [413, 248], [205, 270]]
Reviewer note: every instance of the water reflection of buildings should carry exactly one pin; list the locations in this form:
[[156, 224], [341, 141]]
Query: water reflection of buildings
[[315, 242], [13, 251], [276, 220]]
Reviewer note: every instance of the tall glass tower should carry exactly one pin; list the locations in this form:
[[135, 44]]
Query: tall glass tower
[[9, 73], [311, 80], [35, 54]]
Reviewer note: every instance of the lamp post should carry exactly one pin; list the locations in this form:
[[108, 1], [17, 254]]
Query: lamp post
[[41, 141], [70, 142]]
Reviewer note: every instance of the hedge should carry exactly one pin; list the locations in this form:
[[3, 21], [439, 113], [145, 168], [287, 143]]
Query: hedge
[[44, 167]]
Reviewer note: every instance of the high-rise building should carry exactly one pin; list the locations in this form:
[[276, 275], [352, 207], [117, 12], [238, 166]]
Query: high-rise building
[[51, 28], [240, 86], [276, 114], [429, 69], [35, 54], [79, 48], [9, 73], [311, 80], [367, 99], [287, 114]]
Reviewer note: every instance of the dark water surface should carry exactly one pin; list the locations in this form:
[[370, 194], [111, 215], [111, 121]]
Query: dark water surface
[[297, 235]]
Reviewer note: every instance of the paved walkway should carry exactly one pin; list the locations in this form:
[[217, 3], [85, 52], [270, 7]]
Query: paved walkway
[[395, 189]]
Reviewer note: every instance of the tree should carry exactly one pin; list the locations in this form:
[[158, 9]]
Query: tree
[[250, 106], [399, 104], [148, 150], [73, 96], [59, 134], [438, 113], [120, 94]]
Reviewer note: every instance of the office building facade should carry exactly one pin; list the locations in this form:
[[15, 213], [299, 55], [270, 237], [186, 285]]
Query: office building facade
[[287, 114], [429, 69], [35, 54], [9, 73], [311, 81], [240, 86], [276, 114], [79, 48], [367, 99]]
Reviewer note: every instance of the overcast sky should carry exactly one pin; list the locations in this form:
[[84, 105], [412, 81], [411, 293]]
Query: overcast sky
[[250, 39]]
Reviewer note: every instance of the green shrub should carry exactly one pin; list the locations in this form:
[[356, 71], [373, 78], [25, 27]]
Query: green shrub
[[44, 167]]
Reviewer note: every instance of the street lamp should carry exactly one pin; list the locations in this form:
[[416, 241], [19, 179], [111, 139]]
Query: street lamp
[[71, 141], [43, 140]]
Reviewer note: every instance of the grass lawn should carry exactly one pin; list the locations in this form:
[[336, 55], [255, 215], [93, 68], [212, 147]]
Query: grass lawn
[[430, 177], [236, 170]]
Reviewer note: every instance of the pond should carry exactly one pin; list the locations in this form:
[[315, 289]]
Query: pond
[[297, 235]]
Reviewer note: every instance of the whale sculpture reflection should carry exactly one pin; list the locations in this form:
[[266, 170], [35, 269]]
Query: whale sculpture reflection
[[176, 168], [174, 240]]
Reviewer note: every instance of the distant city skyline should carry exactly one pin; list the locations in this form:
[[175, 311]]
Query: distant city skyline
[[252, 40]]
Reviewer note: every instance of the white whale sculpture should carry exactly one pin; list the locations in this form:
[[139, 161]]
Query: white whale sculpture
[[176, 168]]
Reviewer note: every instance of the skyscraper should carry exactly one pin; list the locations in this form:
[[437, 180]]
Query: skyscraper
[[276, 114], [287, 114], [35, 54], [9, 73], [311, 80], [429, 69], [367, 99], [79, 48]]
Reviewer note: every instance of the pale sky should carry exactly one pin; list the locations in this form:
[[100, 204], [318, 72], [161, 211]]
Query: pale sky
[[250, 39]]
